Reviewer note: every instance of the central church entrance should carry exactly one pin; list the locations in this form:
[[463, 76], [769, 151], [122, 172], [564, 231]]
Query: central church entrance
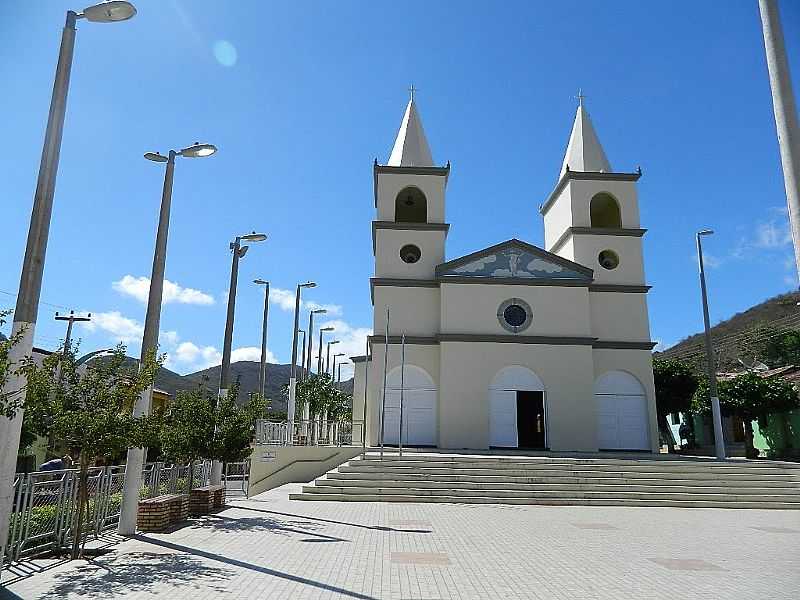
[[517, 415]]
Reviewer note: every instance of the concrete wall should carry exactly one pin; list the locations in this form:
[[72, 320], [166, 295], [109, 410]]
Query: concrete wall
[[470, 308], [414, 310], [638, 363], [388, 243], [620, 316], [467, 369], [558, 218], [582, 191], [391, 184], [271, 466], [629, 249]]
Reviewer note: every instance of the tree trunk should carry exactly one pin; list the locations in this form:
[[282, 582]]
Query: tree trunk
[[750, 449], [77, 527]]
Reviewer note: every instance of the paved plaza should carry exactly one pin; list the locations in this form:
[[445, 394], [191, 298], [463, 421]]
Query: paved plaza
[[273, 548]]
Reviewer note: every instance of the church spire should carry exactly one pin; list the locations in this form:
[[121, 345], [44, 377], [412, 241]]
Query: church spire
[[411, 147], [584, 152]]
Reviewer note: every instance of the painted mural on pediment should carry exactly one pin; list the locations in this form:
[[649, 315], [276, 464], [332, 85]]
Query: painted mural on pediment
[[514, 262]]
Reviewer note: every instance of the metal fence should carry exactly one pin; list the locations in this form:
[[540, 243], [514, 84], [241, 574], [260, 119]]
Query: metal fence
[[45, 501], [310, 433]]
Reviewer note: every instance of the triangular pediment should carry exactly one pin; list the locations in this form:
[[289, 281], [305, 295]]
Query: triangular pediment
[[514, 259]]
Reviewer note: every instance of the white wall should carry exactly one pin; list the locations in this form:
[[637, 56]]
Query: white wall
[[620, 316], [391, 184], [630, 271], [582, 191], [413, 310], [471, 308], [388, 243], [467, 370], [558, 218]]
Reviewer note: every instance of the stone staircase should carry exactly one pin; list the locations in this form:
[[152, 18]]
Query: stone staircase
[[599, 480]]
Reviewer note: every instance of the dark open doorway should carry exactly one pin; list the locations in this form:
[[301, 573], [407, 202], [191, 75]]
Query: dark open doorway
[[530, 420]]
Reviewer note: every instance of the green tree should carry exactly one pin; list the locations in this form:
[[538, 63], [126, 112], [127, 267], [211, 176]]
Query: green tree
[[318, 392], [10, 400], [675, 383], [89, 409], [776, 347], [749, 397]]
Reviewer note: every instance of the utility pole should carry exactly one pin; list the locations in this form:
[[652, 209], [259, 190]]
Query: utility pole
[[71, 319], [783, 105]]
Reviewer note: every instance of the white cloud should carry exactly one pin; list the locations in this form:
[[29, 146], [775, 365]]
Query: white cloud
[[121, 328], [710, 261], [168, 338], [139, 288], [771, 235], [252, 353], [285, 300], [189, 357]]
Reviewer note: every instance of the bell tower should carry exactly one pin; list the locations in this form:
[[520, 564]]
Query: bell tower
[[409, 233], [592, 215]]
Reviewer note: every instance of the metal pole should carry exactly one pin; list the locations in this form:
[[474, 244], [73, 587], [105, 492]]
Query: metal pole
[[307, 364], [402, 385], [30, 285], [303, 357], [319, 354], [333, 370], [225, 369], [783, 104], [385, 364], [292, 373], [328, 360], [262, 374], [719, 440], [135, 460], [366, 388]]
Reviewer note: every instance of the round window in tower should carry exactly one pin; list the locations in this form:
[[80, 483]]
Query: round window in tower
[[515, 315], [410, 254], [608, 259]]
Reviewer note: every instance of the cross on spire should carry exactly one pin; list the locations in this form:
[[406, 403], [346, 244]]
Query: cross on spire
[[580, 97], [411, 90]]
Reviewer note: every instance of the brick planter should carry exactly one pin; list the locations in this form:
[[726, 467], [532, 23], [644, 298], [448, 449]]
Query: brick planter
[[156, 514], [204, 500]]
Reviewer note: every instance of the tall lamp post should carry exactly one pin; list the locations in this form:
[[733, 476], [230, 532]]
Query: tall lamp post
[[238, 252], [328, 357], [333, 371], [133, 468], [319, 354], [311, 313], [719, 440], [262, 372], [302, 354], [30, 285], [293, 371]]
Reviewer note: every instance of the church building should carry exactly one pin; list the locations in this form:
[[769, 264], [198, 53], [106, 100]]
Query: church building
[[511, 346]]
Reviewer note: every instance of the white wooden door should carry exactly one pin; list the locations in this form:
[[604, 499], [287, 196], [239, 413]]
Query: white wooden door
[[419, 417], [503, 418], [622, 422]]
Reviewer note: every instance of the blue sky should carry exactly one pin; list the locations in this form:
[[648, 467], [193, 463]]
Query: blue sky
[[300, 97]]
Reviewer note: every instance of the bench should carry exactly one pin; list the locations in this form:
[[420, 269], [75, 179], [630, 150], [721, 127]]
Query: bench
[[156, 514], [204, 500]]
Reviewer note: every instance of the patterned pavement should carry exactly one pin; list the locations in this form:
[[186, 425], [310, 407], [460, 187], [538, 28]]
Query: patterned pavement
[[270, 547]]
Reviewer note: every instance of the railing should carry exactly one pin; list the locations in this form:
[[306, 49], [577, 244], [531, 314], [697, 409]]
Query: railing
[[44, 501], [310, 433]]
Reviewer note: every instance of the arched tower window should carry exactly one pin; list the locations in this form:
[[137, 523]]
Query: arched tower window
[[411, 206], [604, 212]]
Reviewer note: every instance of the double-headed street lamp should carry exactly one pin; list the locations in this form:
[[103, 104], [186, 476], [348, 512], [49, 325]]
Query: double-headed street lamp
[[328, 357], [293, 371], [262, 372], [30, 285], [333, 370], [311, 313], [130, 489], [719, 440], [319, 354]]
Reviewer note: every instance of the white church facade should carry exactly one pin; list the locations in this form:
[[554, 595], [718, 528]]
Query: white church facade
[[512, 346]]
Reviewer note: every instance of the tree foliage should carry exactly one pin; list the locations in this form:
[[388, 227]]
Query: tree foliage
[[10, 400], [776, 347], [675, 383], [321, 395], [749, 397]]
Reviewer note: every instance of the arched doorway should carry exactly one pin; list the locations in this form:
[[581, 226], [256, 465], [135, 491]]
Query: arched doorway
[[517, 415], [419, 407], [622, 422]]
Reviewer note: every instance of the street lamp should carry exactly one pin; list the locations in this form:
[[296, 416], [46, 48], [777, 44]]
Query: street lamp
[[30, 285], [130, 489], [238, 251], [333, 371], [719, 440], [293, 371], [328, 356], [319, 354], [302, 354], [262, 372], [311, 313]]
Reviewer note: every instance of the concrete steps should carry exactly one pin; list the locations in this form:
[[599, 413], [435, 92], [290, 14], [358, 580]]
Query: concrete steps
[[561, 480]]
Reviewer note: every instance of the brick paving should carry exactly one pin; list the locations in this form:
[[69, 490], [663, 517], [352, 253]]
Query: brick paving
[[272, 548]]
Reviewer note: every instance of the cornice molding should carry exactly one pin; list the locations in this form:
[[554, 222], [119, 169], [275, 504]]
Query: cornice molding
[[570, 231], [581, 176]]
